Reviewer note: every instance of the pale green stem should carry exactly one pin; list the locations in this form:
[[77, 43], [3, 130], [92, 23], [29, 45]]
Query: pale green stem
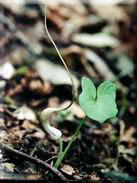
[[60, 148], [60, 158]]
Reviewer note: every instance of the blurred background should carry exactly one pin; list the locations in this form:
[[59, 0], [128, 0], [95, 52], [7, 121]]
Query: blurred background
[[97, 40]]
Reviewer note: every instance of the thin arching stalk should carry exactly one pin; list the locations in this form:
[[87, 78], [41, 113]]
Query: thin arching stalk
[[45, 116], [62, 60]]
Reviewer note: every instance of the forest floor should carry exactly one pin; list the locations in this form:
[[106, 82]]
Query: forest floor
[[97, 41]]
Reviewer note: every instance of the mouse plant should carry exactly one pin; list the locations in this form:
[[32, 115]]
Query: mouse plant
[[98, 104]]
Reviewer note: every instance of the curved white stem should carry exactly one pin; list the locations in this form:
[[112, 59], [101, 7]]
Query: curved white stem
[[45, 116]]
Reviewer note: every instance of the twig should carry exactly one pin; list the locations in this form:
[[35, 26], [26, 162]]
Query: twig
[[37, 161]]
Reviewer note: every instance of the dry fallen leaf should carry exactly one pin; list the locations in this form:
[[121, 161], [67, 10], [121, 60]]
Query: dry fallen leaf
[[7, 70], [96, 40], [25, 112], [54, 73], [68, 169], [74, 109], [128, 135]]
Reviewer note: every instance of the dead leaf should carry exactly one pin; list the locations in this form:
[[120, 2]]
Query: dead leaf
[[54, 73], [67, 169], [7, 70], [96, 40], [25, 112]]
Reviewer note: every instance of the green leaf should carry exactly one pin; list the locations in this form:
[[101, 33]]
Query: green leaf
[[99, 104]]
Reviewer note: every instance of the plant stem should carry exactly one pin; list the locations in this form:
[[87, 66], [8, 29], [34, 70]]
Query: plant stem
[[61, 156], [61, 146], [60, 150]]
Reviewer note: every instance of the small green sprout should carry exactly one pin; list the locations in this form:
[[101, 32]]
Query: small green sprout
[[99, 104]]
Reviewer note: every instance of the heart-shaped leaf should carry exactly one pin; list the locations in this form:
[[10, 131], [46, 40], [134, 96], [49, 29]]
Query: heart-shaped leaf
[[99, 104]]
